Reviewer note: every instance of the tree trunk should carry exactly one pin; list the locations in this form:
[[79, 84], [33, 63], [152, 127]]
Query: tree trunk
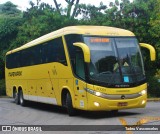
[[57, 7]]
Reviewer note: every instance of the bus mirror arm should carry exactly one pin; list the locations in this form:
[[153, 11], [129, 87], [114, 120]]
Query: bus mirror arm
[[85, 49], [151, 49]]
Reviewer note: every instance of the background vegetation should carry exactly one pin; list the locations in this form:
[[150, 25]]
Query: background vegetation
[[140, 16]]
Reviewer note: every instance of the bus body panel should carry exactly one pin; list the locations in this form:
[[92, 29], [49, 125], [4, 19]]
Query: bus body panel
[[46, 82], [40, 83]]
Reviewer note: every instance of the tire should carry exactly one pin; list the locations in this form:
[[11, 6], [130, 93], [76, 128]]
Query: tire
[[114, 112], [21, 98], [16, 97], [71, 111]]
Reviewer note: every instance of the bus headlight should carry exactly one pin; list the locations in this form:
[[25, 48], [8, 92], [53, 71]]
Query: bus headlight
[[90, 91], [99, 94], [143, 92]]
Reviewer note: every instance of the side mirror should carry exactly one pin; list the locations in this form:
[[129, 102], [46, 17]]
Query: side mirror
[[151, 49], [85, 49]]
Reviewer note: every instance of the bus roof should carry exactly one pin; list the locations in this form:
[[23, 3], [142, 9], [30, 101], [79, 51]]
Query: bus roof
[[85, 30]]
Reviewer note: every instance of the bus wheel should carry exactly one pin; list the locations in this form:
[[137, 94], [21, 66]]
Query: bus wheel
[[70, 109], [114, 112], [16, 97], [21, 99]]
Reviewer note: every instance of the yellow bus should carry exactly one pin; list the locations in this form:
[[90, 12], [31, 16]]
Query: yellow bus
[[94, 68]]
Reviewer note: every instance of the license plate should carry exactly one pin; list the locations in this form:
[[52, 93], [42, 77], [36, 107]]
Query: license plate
[[121, 104]]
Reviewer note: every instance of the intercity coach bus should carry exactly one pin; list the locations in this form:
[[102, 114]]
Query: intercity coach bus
[[94, 68]]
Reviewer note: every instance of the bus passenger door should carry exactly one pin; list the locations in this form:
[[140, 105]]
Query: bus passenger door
[[79, 83]]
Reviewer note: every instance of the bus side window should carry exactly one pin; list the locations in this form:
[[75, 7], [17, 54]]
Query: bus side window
[[80, 63], [44, 53], [56, 51], [70, 39]]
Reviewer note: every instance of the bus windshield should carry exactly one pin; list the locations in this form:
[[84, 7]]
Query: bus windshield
[[115, 61]]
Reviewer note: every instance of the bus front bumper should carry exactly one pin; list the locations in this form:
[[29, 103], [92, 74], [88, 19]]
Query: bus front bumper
[[102, 104]]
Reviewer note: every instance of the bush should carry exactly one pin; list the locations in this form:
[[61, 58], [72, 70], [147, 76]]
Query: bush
[[154, 87], [2, 87]]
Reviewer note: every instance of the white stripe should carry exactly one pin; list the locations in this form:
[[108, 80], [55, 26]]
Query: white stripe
[[25, 97], [48, 100], [32, 98]]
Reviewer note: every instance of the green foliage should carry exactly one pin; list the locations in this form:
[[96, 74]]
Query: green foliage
[[39, 20], [2, 87], [10, 20], [1, 69], [154, 87], [71, 5], [10, 9], [155, 27]]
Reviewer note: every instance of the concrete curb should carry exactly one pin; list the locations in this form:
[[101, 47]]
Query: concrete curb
[[153, 99], [4, 97]]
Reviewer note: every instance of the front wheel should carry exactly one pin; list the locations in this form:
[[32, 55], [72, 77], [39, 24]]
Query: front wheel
[[114, 112], [70, 109]]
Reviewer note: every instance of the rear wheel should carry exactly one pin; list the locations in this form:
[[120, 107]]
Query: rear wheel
[[21, 98], [70, 109], [16, 97]]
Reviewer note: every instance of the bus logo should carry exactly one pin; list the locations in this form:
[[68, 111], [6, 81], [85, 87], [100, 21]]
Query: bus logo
[[122, 97], [14, 74]]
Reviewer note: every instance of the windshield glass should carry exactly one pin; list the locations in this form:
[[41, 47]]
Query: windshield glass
[[115, 60]]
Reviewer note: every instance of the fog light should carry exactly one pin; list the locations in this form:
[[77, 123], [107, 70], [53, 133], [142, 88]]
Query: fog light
[[96, 104], [143, 102]]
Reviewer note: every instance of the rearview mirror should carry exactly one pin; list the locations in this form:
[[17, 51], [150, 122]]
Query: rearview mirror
[[151, 49], [85, 49]]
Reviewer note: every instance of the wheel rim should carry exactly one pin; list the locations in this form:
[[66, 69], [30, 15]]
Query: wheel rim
[[21, 98]]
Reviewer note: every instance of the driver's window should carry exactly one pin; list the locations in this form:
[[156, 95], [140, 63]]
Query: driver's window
[[80, 71]]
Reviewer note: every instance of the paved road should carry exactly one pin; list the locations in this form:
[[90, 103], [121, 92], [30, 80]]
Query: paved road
[[43, 114]]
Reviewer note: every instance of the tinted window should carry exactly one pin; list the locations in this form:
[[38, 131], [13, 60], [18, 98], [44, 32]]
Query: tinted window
[[76, 56], [51, 51]]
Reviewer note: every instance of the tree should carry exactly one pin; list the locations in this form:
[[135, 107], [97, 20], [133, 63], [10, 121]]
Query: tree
[[9, 8], [10, 20], [40, 19], [71, 4], [155, 25]]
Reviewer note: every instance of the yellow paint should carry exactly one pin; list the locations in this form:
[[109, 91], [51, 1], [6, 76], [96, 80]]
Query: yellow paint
[[50, 79], [85, 49], [124, 123], [143, 120], [151, 49]]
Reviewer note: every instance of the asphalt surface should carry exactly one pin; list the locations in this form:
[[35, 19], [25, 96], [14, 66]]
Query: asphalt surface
[[43, 114]]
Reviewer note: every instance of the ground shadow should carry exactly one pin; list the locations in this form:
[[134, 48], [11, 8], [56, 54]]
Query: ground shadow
[[80, 113]]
